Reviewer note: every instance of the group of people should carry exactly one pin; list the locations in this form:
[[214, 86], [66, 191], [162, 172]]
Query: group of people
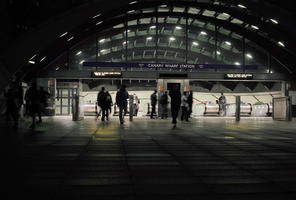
[[35, 102], [178, 101]]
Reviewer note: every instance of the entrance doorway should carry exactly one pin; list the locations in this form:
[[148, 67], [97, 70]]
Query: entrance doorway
[[64, 100], [171, 86]]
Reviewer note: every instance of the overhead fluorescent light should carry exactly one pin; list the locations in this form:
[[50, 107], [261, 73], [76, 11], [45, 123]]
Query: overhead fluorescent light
[[241, 6], [274, 21], [195, 43], [281, 43], [71, 38], [133, 2], [99, 23], [97, 15], [63, 34], [78, 53], [43, 58]]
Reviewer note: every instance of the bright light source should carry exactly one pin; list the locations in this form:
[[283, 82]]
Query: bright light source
[[102, 41], [31, 62], [255, 27], [149, 38], [43, 58], [249, 56], [226, 14], [237, 63], [78, 53], [33, 57], [218, 53], [133, 2], [71, 38], [163, 6], [274, 21], [96, 16], [57, 68], [99, 23], [194, 43], [178, 27], [281, 44], [103, 50], [131, 11], [203, 33], [172, 39], [63, 34], [241, 6], [82, 61], [125, 42], [152, 27], [127, 31], [228, 43]]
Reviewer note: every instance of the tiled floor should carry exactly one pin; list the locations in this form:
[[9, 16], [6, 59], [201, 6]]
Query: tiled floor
[[207, 158]]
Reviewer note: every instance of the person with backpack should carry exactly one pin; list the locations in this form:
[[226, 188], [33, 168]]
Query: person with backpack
[[121, 101], [164, 105], [32, 98], [102, 102], [175, 95]]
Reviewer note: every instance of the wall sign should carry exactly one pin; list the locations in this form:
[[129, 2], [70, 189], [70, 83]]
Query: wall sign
[[167, 66], [106, 74], [239, 76]]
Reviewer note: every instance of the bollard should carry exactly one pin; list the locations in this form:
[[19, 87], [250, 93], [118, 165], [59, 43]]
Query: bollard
[[237, 112]]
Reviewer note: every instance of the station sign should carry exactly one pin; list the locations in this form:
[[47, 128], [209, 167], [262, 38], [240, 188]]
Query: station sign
[[239, 76], [106, 74], [177, 66]]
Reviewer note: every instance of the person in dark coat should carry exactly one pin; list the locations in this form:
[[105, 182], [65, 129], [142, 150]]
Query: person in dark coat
[[153, 99], [32, 98], [164, 105], [109, 104], [102, 102], [190, 102], [44, 95], [121, 101], [14, 101], [175, 95]]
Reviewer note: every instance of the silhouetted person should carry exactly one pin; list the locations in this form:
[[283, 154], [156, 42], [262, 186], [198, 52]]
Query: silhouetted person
[[136, 104], [190, 102], [32, 98], [109, 104], [175, 95], [222, 105], [102, 102], [121, 101], [153, 99], [14, 101], [184, 106], [44, 95], [164, 105]]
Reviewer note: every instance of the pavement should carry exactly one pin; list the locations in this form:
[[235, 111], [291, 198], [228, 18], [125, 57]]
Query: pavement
[[207, 158]]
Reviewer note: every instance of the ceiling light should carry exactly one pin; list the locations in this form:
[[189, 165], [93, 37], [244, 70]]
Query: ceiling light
[[103, 50], [63, 34], [241, 6], [43, 58], [203, 33], [102, 41], [281, 44], [99, 23], [82, 61], [194, 43], [249, 56], [31, 62], [71, 38], [78, 53], [33, 57], [237, 63], [274, 21], [228, 43], [57, 68], [178, 27], [218, 53], [131, 11], [124, 42], [96, 16], [133, 2], [163, 6], [152, 27], [149, 38], [255, 27], [172, 39]]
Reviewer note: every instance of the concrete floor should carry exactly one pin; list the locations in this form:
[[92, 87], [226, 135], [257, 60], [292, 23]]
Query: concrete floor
[[210, 158]]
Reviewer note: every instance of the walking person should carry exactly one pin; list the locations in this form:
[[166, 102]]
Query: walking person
[[14, 101], [185, 107], [44, 95], [102, 102], [109, 105], [136, 104], [32, 98], [175, 95], [121, 101], [190, 103], [222, 105], [164, 105], [153, 99]]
